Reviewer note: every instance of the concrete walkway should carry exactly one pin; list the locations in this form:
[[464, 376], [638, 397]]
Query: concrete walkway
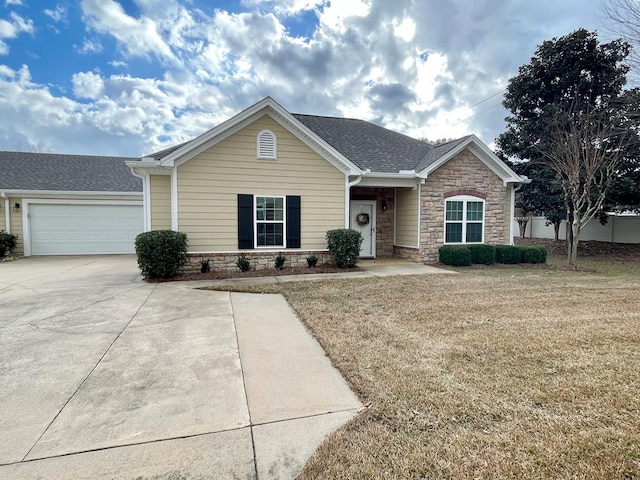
[[106, 376]]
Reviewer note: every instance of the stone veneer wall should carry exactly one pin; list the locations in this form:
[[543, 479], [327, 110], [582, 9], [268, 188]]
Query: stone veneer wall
[[413, 254], [259, 260], [384, 220], [461, 175]]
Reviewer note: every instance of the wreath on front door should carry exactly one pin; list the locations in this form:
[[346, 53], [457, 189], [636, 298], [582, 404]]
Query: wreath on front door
[[362, 219]]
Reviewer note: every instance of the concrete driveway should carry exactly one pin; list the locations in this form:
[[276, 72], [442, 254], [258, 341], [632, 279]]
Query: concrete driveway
[[106, 376]]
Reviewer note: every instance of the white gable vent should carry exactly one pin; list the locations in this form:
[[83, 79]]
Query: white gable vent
[[267, 144]]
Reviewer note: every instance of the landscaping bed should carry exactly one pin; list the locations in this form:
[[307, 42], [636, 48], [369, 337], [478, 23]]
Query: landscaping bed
[[265, 272]]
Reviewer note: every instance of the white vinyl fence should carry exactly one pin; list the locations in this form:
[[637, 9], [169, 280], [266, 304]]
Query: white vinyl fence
[[620, 228]]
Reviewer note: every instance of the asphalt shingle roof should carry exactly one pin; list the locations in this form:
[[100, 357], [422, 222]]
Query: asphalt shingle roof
[[78, 173], [368, 145]]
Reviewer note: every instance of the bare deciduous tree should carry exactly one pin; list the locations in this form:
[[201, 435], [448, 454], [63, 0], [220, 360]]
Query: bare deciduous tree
[[625, 18], [585, 149]]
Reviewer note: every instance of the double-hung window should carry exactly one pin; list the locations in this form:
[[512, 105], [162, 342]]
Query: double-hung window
[[464, 220], [270, 221]]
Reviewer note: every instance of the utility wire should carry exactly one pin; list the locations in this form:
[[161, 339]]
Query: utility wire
[[475, 114], [481, 111]]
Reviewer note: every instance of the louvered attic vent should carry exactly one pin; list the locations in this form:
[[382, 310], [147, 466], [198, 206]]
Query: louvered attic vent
[[267, 144]]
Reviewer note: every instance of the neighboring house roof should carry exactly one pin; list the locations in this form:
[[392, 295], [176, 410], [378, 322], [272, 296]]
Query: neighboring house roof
[[71, 173], [367, 145]]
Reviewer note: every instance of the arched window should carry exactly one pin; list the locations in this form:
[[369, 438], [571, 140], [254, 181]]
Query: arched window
[[267, 145], [464, 219]]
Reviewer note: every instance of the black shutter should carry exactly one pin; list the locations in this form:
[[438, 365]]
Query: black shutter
[[245, 221], [293, 221]]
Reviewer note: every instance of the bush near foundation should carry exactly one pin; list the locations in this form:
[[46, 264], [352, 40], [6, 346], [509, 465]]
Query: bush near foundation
[[161, 253], [455, 255], [344, 247], [483, 254], [532, 253], [7, 242], [508, 254]]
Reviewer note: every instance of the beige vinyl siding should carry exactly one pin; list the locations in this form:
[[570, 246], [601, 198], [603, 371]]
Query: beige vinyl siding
[[209, 183], [160, 196], [407, 217], [3, 223], [15, 219]]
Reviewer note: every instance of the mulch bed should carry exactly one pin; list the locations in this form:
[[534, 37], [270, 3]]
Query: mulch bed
[[612, 251], [267, 272]]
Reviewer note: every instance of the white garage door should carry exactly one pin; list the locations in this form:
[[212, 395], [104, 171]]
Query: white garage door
[[72, 229]]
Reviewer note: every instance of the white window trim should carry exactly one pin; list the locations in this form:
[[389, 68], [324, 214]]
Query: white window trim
[[260, 153], [283, 222], [464, 199]]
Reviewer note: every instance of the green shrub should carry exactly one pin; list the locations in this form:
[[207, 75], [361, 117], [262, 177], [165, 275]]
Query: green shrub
[[243, 263], [312, 260], [205, 265], [161, 253], [455, 255], [7, 242], [532, 253], [279, 262], [483, 254], [344, 247], [508, 254]]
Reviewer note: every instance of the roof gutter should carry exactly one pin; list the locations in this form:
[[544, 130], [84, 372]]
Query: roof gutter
[[7, 220]]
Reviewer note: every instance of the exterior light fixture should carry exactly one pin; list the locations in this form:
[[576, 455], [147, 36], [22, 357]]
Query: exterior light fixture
[[384, 205], [16, 207]]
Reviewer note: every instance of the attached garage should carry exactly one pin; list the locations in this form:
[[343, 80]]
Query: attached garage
[[70, 204], [81, 228]]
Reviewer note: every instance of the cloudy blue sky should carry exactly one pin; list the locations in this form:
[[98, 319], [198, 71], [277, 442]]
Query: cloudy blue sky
[[128, 77]]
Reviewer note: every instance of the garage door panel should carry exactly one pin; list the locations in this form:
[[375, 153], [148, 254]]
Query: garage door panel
[[70, 229]]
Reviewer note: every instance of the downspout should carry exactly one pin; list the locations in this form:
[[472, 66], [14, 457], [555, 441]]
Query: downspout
[[7, 220], [513, 212], [146, 204], [347, 197]]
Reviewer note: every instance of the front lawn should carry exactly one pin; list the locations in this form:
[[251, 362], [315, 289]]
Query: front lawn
[[496, 372]]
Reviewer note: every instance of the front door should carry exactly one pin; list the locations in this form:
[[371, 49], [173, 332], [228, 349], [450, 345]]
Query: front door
[[363, 219]]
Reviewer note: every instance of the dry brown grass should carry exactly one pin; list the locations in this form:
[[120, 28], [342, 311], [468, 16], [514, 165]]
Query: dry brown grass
[[493, 373]]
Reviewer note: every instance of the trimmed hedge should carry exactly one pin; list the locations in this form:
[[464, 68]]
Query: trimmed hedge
[[344, 247], [508, 254], [455, 255], [532, 253], [161, 253], [483, 254], [464, 255]]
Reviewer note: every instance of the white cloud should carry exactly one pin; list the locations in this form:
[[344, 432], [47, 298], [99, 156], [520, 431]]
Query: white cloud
[[286, 7], [118, 63], [10, 29], [12, 2], [138, 37], [87, 85], [58, 15], [89, 46]]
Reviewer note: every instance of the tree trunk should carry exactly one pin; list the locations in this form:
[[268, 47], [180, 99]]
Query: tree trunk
[[575, 238], [522, 223], [556, 228]]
